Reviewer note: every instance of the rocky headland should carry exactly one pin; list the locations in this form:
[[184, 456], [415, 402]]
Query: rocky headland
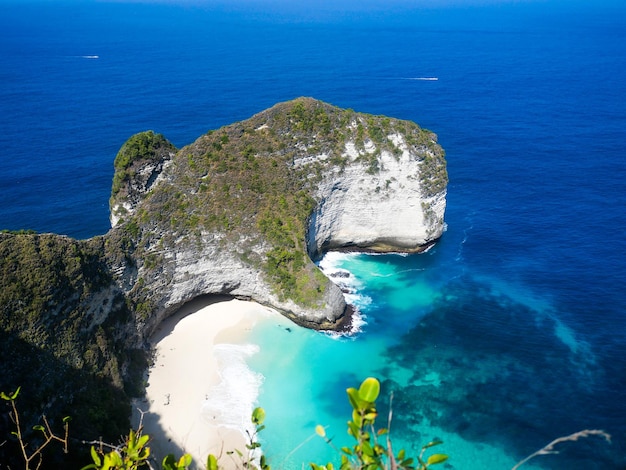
[[243, 211]]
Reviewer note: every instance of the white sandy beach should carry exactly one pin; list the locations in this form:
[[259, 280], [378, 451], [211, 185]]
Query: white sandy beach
[[200, 393]]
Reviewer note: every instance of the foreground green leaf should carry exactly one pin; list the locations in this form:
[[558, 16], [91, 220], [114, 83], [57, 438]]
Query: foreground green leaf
[[436, 458], [369, 389], [258, 416]]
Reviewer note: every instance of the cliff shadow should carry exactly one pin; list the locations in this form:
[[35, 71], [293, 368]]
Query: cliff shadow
[[181, 381], [51, 387]]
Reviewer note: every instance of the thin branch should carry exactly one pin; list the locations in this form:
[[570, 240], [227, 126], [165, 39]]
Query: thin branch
[[102, 444], [16, 420], [48, 435], [549, 449], [420, 457], [392, 460], [312, 436], [54, 436]]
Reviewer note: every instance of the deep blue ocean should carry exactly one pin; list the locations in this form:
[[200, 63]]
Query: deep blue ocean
[[511, 331]]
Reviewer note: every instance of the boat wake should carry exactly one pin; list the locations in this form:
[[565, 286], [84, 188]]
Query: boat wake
[[422, 79]]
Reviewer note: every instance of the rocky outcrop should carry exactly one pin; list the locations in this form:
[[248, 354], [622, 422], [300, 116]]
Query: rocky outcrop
[[244, 209], [138, 166]]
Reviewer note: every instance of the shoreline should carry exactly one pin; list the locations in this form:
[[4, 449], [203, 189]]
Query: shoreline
[[200, 393]]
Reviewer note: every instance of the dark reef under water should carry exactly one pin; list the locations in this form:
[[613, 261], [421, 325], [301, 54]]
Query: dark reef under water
[[501, 372]]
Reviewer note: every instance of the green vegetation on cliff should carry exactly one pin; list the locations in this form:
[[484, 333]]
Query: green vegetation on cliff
[[252, 182], [46, 273], [54, 340], [136, 151]]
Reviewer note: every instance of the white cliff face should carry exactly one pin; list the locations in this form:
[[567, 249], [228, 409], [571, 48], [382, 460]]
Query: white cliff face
[[118, 211], [215, 271], [382, 210]]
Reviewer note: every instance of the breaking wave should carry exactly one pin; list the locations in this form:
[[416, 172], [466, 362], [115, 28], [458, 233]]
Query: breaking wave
[[231, 401]]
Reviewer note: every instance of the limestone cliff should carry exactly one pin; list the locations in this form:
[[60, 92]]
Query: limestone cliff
[[390, 208], [241, 211]]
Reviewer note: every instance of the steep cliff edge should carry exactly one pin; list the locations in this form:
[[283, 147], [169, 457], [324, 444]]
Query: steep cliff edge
[[243, 211]]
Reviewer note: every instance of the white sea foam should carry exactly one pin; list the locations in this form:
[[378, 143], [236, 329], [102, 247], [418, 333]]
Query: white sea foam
[[351, 287], [90, 56], [332, 260], [390, 253], [466, 232], [231, 401]]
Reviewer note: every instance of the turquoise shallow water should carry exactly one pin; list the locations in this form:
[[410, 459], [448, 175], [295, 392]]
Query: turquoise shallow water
[[306, 372]]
